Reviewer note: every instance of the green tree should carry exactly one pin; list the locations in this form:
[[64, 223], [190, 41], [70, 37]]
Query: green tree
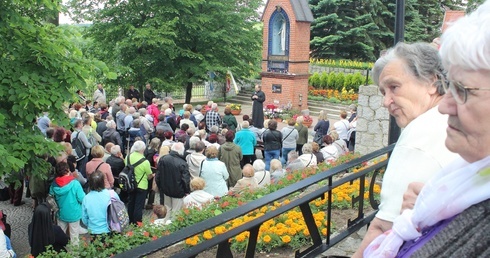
[[174, 43], [38, 67], [361, 29], [473, 4], [348, 29]]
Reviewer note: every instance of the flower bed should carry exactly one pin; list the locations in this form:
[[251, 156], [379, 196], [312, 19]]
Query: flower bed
[[343, 95], [286, 230]]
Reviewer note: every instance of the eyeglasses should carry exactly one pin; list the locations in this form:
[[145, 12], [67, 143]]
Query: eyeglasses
[[458, 90]]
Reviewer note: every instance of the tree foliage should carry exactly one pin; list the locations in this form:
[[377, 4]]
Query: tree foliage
[[38, 67], [173, 43], [361, 29], [348, 29]]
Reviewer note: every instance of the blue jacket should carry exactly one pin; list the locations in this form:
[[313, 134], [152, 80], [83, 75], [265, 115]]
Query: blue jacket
[[246, 140], [94, 211], [69, 195], [215, 174]]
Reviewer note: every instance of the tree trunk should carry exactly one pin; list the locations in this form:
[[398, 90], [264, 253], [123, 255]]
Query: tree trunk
[[188, 92]]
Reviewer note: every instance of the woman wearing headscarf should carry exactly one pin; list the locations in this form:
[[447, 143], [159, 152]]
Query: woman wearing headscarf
[[42, 231]]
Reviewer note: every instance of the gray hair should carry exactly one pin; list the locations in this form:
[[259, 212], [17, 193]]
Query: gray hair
[[422, 61], [192, 142], [214, 106], [307, 148], [178, 147], [199, 146], [259, 165], [245, 124], [142, 111], [168, 111], [136, 123], [214, 129], [293, 155], [111, 124], [131, 110], [120, 99], [466, 43], [115, 150], [138, 146]]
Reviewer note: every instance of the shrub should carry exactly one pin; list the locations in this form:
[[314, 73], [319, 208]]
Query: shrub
[[324, 80], [314, 80]]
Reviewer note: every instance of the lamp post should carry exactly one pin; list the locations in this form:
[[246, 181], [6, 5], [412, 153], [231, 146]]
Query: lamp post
[[394, 130]]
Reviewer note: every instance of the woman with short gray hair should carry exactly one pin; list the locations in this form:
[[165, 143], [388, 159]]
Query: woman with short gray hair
[[308, 158], [410, 78]]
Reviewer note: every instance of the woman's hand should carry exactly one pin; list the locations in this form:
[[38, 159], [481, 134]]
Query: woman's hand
[[410, 196]]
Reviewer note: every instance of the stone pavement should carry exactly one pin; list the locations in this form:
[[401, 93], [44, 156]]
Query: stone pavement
[[19, 218]]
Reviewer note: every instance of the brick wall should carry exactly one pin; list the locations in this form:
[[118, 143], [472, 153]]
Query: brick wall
[[295, 83]]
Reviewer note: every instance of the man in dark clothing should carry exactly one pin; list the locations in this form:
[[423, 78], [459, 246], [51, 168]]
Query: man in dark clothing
[[173, 179], [163, 124], [148, 94], [353, 110], [133, 93], [258, 107]]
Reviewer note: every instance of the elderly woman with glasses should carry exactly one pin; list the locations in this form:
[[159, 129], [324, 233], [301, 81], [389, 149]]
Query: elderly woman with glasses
[[409, 77], [451, 216]]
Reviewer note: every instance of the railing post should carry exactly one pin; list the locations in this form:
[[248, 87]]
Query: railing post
[[252, 242], [310, 223], [224, 250], [329, 210]]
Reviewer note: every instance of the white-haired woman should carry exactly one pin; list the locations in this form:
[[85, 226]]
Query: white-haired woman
[[410, 78], [451, 215], [308, 158], [111, 134], [142, 173], [262, 176]]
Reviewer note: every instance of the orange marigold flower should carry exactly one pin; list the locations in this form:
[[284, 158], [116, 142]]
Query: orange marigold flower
[[207, 234], [267, 238], [324, 231], [286, 239]]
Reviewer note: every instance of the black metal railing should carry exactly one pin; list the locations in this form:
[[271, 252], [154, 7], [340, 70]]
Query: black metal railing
[[320, 244]]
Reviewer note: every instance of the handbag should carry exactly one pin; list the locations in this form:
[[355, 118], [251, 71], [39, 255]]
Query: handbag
[[318, 138]]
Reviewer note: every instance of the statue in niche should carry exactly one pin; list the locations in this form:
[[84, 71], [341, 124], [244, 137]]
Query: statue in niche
[[279, 35]]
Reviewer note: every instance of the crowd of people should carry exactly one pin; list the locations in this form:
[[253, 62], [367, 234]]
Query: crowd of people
[[193, 156], [190, 157]]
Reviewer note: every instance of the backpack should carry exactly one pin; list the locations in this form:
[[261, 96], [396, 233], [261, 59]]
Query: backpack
[[79, 148], [117, 215], [127, 180]]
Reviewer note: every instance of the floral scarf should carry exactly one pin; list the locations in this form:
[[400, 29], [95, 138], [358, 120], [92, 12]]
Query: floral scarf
[[451, 191]]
